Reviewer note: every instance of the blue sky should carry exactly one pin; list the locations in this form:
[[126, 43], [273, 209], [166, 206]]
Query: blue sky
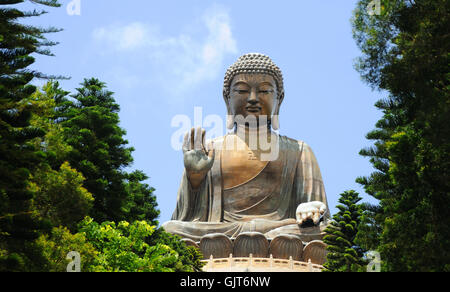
[[163, 58]]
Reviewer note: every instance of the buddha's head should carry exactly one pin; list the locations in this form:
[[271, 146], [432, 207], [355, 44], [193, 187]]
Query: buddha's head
[[253, 86]]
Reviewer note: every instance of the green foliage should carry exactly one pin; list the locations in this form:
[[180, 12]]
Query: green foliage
[[344, 255], [49, 104], [59, 243], [124, 247], [405, 52], [18, 159], [60, 196], [141, 203], [189, 256], [370, 228]]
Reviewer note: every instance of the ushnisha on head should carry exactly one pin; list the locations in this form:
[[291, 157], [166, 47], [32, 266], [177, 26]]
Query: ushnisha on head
[[254, 65]]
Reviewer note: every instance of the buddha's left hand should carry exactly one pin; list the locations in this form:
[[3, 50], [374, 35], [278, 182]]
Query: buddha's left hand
[[310, 211]]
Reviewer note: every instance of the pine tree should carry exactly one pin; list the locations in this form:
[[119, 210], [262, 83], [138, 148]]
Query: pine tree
[[344, 255], [405, 52], [141, 203], [100, 153], [98, 148], [18, 159]]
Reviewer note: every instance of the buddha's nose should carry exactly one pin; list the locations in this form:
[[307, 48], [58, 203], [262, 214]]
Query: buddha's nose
[[253, 97]]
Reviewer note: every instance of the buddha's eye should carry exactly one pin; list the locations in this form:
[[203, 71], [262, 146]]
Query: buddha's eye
[[241, 91], [266, 91]]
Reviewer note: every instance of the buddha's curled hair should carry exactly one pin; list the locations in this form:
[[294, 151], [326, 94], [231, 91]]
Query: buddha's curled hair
[[253, 63]]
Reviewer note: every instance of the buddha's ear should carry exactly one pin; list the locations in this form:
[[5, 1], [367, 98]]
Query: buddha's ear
[[230, 116], [275, 121]]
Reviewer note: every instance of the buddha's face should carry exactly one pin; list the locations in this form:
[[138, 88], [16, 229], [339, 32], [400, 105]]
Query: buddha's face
[[253, 94]]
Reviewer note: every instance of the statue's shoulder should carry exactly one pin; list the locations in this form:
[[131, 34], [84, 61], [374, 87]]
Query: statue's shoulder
[[290, 141], [302, 146]]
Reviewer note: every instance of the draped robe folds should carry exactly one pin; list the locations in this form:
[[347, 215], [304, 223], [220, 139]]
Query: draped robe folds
[[273, 210]]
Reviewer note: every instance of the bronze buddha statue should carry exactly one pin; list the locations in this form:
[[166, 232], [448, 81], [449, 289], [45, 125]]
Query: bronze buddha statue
[[233, 184]]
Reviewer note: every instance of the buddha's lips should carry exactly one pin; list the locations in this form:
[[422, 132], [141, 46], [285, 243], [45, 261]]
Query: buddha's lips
[[253, 108]]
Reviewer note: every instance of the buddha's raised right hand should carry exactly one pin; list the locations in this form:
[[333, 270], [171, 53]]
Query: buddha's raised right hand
[[197, 159]]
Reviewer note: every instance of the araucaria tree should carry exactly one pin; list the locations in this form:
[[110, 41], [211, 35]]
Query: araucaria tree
[[343, 254], [100, 152], [405, 52], [18, 159]]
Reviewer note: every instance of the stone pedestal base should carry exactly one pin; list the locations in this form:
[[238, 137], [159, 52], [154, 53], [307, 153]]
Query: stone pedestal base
[[286, 246], [216, 245], [255, 245], [251, 264]]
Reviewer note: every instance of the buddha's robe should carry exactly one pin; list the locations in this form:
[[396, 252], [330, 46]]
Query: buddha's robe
[[266, 203]]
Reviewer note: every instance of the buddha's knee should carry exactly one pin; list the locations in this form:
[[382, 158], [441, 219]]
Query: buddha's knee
[[169, 226]]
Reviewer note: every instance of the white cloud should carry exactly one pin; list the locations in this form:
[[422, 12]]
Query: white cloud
[[184, 60], [128, 37]]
